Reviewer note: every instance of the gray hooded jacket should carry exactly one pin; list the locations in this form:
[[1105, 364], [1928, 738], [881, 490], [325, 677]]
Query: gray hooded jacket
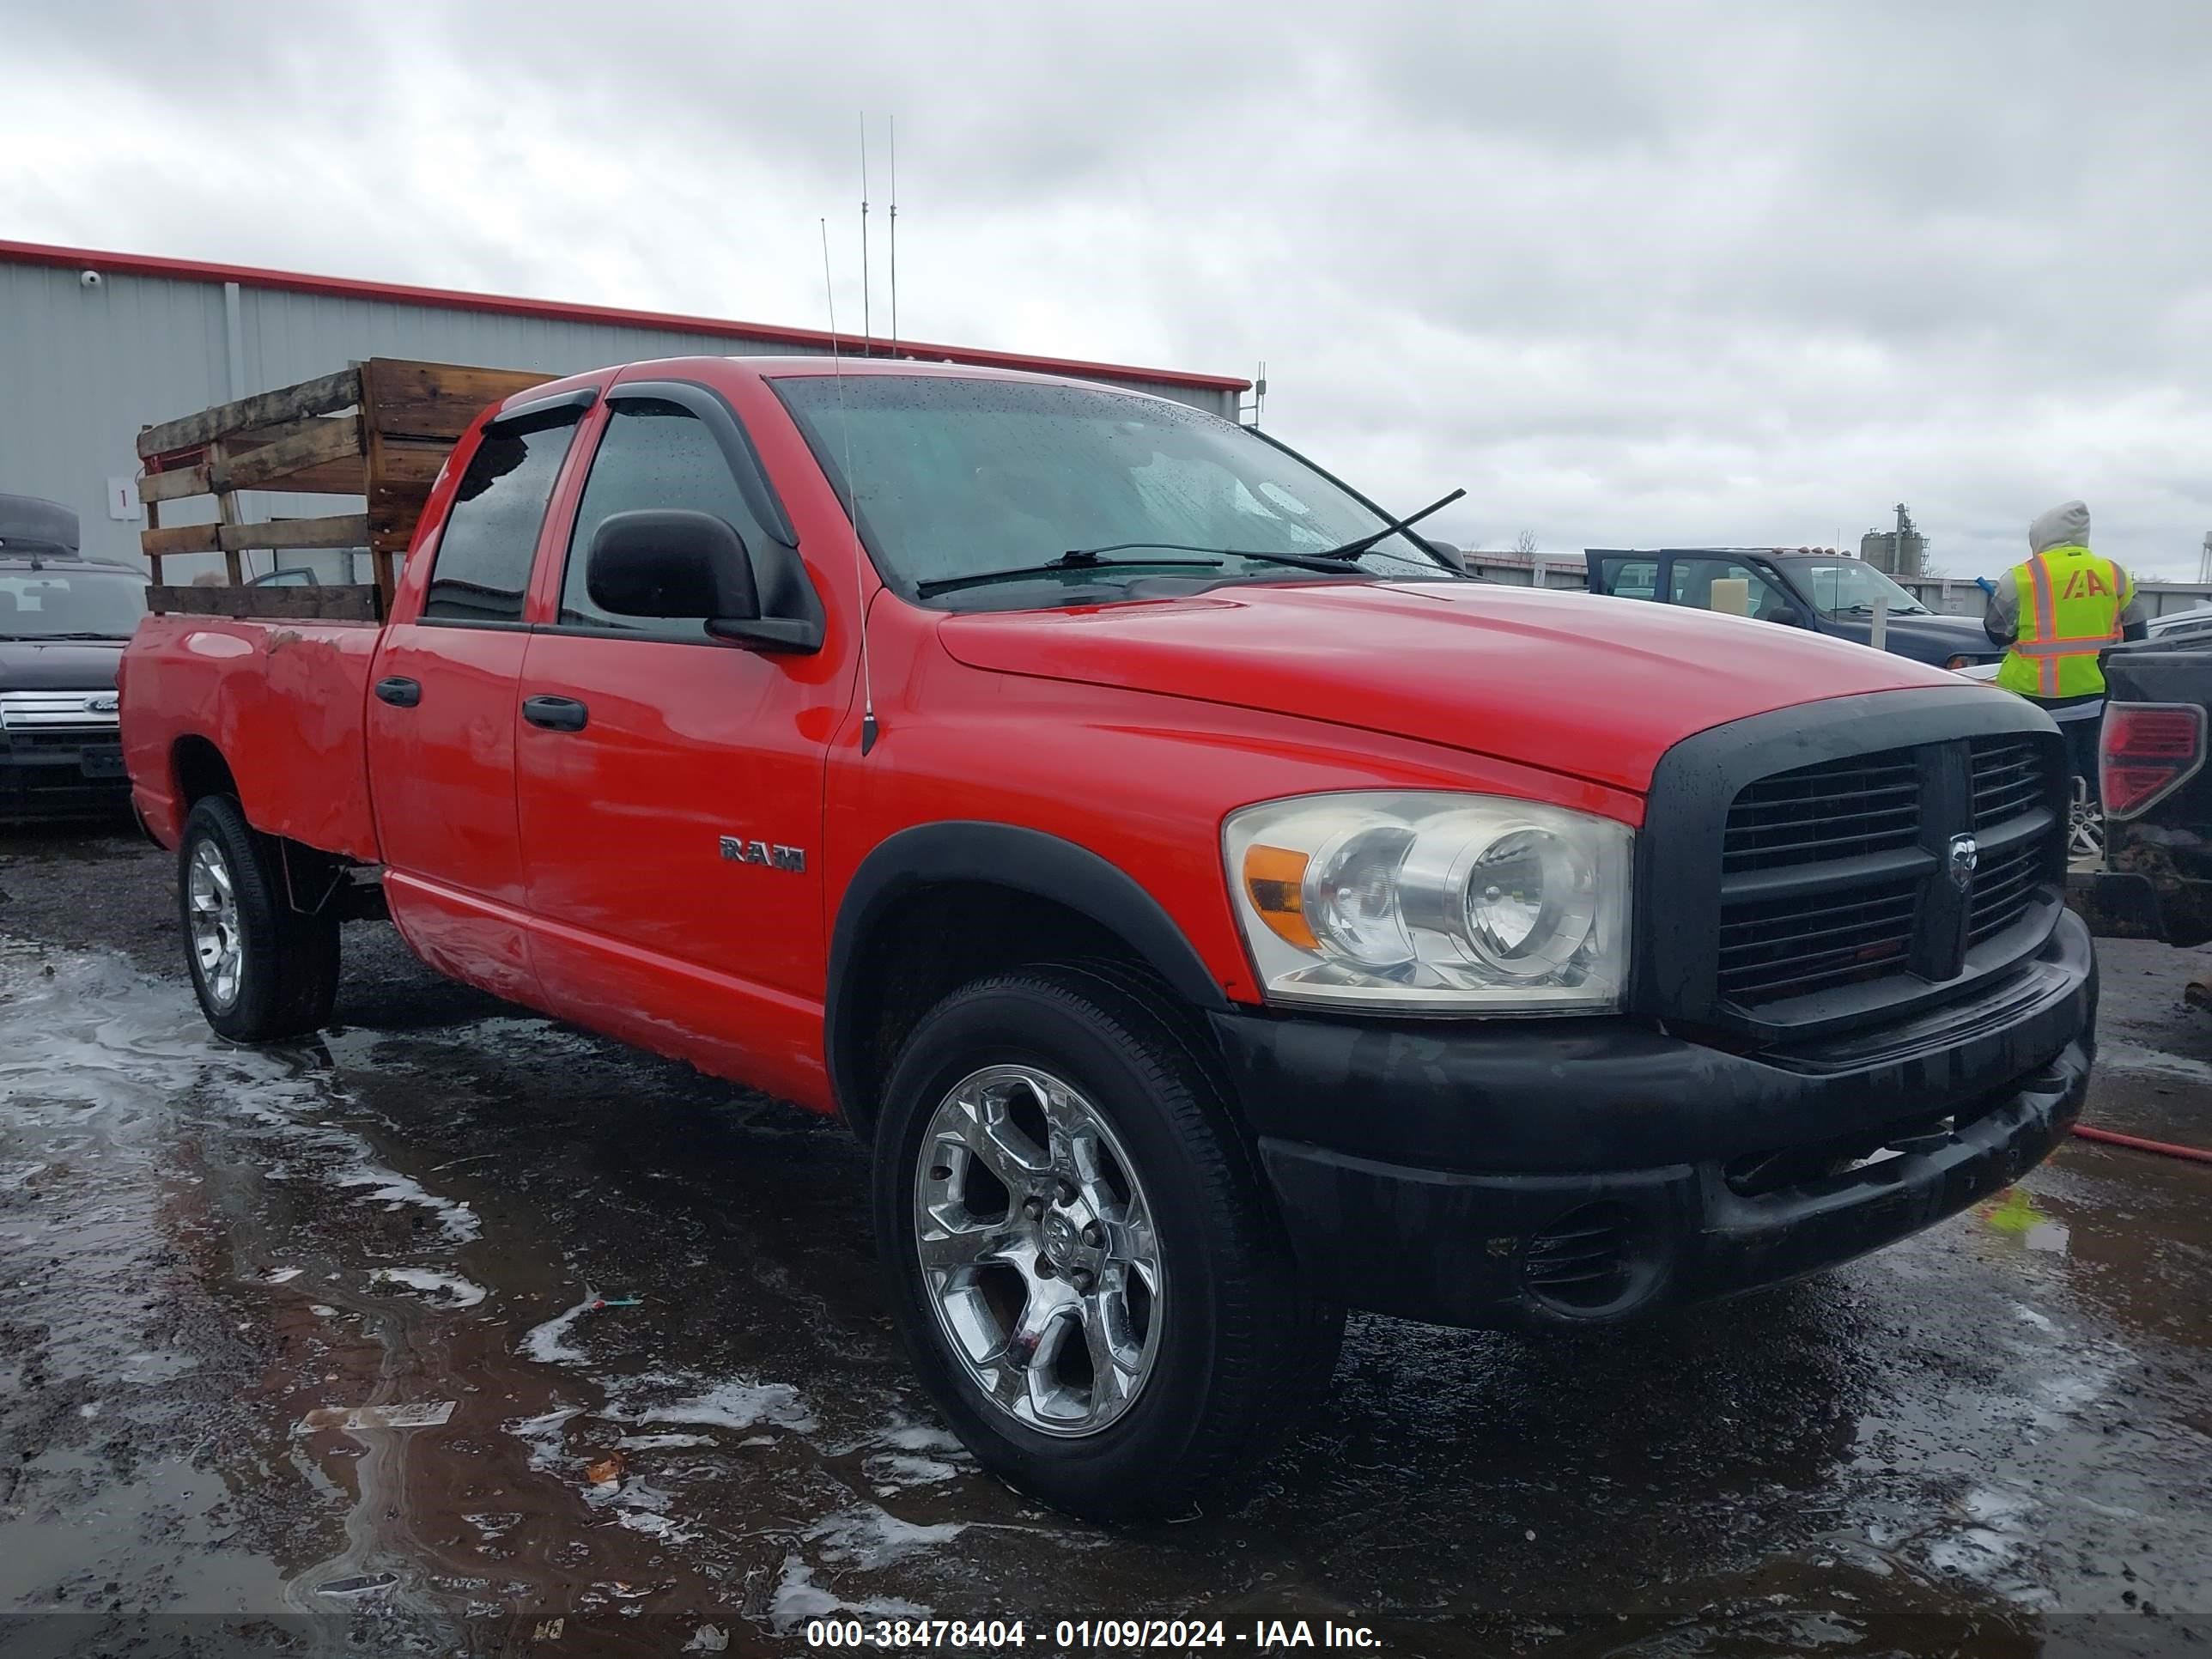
[[2066, 525]]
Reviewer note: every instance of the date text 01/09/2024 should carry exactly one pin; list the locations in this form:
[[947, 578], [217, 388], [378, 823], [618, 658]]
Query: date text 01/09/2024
[[1083, 1635]]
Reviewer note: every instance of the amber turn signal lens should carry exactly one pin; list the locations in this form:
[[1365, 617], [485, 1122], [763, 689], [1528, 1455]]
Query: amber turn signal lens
[[1274, 880]]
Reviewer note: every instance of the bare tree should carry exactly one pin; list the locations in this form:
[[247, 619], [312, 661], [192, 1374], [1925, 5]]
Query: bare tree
[[1525, 544]]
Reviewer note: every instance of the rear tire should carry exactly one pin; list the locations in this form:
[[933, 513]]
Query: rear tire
[[262, 971], [1123, 1232]]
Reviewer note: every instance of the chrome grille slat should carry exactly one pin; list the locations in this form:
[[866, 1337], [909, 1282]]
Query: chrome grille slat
[[32, 711]]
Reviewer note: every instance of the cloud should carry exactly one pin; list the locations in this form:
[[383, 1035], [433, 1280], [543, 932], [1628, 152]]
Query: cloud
[[1693, 273]]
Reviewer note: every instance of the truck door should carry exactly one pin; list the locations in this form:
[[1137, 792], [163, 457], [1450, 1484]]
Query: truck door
[[1691, 577], [441, 715], [670, 784]]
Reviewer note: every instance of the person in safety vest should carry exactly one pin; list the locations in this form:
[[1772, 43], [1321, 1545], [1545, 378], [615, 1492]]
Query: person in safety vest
[[2058, 612]]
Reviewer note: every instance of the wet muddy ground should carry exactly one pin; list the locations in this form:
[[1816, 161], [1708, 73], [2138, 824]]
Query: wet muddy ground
[[461, 1332]]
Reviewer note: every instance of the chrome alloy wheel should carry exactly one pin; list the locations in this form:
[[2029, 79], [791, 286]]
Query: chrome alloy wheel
[[217, 944], [1037, 1249]]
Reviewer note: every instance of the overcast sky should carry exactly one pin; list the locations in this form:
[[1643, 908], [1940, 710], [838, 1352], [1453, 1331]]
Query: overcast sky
[[1636, 274]]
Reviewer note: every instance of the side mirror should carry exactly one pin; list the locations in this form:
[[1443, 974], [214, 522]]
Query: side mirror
[[663, 562]]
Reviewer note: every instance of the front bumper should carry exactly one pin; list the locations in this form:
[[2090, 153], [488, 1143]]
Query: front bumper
[[61, 774], [1562, 1172]]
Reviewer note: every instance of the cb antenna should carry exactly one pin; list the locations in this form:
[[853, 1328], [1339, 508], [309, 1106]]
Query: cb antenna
[[894, 237], [868, 329], [852, 509]]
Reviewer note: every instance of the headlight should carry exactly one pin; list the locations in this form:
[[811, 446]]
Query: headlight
[[1436, 903]]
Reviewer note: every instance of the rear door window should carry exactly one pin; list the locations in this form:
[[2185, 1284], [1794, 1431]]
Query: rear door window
[[1692, 583], [1629, 578], [491, 537]]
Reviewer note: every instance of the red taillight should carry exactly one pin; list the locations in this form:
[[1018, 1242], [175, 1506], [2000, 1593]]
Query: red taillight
[[2149, 749]]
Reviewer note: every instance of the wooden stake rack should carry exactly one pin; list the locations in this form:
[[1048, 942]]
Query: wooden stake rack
[[378, 430]]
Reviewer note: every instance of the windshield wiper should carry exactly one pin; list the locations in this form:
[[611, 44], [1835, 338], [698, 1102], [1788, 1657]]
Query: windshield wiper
[[1327, 561], [87, 634], [1895, 611], [1353, 550], [1076, 558], [1322, 561]]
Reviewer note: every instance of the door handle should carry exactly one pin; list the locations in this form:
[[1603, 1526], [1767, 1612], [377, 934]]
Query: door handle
[[399, 691], [555, 714]]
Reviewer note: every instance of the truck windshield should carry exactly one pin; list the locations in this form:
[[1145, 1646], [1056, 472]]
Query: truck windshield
[[1846, 587], [53, 604], [959, 478]]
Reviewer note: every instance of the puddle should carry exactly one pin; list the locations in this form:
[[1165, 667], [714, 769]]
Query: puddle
[[442, 1336]]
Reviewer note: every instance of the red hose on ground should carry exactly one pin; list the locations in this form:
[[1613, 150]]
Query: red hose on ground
[[2164, 1148]]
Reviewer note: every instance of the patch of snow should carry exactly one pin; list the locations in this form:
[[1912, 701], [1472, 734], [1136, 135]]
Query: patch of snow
[[904, 1469], [548, 1344], [797, 1598], [542, 1434], [731, 1403], [449, 1289], [871, 1538], [395, 1191]]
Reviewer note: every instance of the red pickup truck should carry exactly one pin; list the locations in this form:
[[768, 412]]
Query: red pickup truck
[[1212, 907]]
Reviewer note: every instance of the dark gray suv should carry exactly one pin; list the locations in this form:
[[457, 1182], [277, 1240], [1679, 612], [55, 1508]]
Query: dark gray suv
[[64, 621]]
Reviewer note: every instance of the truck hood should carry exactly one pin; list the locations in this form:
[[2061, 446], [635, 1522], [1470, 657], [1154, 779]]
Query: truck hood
[[1592, 687], [58, 664]]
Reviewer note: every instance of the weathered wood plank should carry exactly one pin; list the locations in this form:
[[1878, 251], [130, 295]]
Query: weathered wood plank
[[157, 543], [408, 399], [226, 507], [154, 487], [321, 396], [340, 530], [351, 602], [393, 514], [311, 442], [380, 569], [344, 474], [404, 461]]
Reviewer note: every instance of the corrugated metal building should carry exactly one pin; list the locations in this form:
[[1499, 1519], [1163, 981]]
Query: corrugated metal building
[[94, 345]]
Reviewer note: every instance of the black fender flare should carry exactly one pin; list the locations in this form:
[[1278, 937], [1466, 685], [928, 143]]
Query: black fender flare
[[1000, 855]]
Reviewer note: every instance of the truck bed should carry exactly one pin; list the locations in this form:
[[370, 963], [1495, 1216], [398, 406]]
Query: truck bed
[[283, 701]]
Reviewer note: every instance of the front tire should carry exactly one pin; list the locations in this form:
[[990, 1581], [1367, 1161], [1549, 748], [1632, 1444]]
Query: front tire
[[262, 971], [1084, 1263]]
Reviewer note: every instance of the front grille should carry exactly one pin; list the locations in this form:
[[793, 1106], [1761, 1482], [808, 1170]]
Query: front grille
[[2008, 779], [1792, 947], [100, 739], [22, 711], [2004, 887], [1840, 874], [1838, 808]]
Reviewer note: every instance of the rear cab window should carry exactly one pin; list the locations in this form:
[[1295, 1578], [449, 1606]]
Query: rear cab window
[[481, 568], [1627, 578]]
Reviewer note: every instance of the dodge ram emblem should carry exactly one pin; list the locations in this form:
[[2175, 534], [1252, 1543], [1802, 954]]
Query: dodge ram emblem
[[1965, 855], [739, 850]]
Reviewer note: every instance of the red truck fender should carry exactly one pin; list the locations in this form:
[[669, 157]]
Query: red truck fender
[[863, 944]]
